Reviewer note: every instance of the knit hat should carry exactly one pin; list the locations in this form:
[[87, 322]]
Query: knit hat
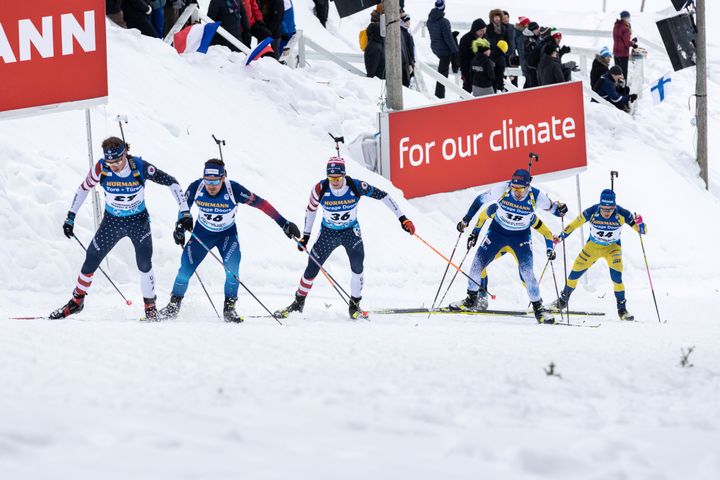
[[557, 34], [532, 26], [605, 52], [480, 45], [440, 4], [521, 178], [336, 166], [624, 14], [544, 31], [114, 153], [607, 198], [503, 46], [212, 169], [524, 21], [615, 70]]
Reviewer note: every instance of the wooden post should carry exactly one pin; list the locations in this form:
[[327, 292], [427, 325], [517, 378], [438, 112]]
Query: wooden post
[[701, 92], [393, 55]]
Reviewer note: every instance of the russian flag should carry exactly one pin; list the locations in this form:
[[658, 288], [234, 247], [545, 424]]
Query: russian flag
[[261, 49], [195, 38]]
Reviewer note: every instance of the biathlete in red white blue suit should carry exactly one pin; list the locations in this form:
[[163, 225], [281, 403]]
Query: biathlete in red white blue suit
[[339, 197], [217, 199], [122, 178]]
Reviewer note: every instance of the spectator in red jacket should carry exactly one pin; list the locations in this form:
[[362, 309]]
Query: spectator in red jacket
[[258, 29], [623, 41]]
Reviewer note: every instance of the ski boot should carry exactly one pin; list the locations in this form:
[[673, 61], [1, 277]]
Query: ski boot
[[482, 302], [355, 310], [75, 305], [296, 306], [624, 314], [470, 304], [229, 313], [171, 310], [559, 304], [151, 312], [541, 314]]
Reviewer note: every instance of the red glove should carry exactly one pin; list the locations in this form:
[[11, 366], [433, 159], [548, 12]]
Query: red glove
[[407, 225]]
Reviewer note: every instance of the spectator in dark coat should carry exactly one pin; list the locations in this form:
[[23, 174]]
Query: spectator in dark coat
[[623, 41], [137, 15], [609, 87], [551, 71], [600, 65], [519, 42], [511, 33], [465, 51], [531, 38], [322, 8], [272, 12], [113, 10], [232, 17], [408, 44], [482, 68], [375, 52], [495, 33], [442, 43]]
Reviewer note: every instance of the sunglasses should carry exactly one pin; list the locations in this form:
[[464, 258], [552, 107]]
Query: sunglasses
[[114, 162], [212, 182], [518, 188], [335, 179], [607, 209]]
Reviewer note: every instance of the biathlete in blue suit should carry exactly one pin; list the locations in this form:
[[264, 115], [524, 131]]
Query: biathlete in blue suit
[[217, 199], [339, 197], [512, 209], [122, 178]]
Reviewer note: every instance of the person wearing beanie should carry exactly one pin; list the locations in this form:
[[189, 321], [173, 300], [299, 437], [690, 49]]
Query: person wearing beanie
[[606, 220], [611, 88], [512, 206], [511, 37], [466, 53], [537, 54], [531, 38], [623, 41], [495, 32], [600, 65], [339, 196], [408, 44], [482, 68], [550, 71], [442, 43], [518, 34]]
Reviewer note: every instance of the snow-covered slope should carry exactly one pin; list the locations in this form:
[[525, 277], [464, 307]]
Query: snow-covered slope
[[322, 397]]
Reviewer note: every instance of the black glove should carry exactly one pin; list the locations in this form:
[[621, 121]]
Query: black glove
[[461, 226], [561, 209], [633, 97], [302, 243], [69, 225], [455, 63], [179, 235], [291, 230], [472, 240], [185, 221], [563, 50], [551, 254]]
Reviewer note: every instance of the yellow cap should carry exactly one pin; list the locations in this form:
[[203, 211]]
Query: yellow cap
[[502, 45]]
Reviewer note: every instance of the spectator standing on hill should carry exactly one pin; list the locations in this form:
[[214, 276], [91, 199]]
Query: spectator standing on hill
[[442, 43], [113, 10], [408, 46], [232, 18], [511, 35], [495, 33], [550, 67], [517, 49], [375, 52], [467, 54], [287, 29], [137, 15], [157, 17], [322, 9], [273, 12], [531, 37], [623, 41], [600, 65], [258, 29], [483, 69]]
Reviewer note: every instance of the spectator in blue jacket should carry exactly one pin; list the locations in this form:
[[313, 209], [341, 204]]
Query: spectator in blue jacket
[[442, 43], [609, 87], [288, 24]]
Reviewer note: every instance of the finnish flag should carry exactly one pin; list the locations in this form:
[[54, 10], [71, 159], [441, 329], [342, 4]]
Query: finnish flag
[[660, 88]]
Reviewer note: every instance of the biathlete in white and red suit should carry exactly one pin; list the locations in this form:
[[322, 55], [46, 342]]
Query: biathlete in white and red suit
[[122, 178], [339, 197]]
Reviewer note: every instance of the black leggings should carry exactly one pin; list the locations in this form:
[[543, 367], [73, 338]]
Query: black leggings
[[112, 229]]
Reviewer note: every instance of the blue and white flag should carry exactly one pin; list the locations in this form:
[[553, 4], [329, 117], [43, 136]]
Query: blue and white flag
[[660, 89]]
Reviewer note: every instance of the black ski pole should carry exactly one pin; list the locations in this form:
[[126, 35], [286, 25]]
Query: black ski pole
[[647, 267], [197, 275], [127, 302], [220, 144], [235, 276], [533, 156], [541, 276], [338, 288], [338, 141], [452, 280], [557, 291], [613, 175], [447, 267]]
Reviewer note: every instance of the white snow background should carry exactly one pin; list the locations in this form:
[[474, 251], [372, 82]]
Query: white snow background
[[102, 395]]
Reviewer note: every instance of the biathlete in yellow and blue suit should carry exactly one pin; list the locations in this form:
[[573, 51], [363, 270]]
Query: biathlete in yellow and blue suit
[[606, 220], [512, 210]]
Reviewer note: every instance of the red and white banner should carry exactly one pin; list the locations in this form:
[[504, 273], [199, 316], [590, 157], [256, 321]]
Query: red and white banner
[[484, 140], [51, 52]]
